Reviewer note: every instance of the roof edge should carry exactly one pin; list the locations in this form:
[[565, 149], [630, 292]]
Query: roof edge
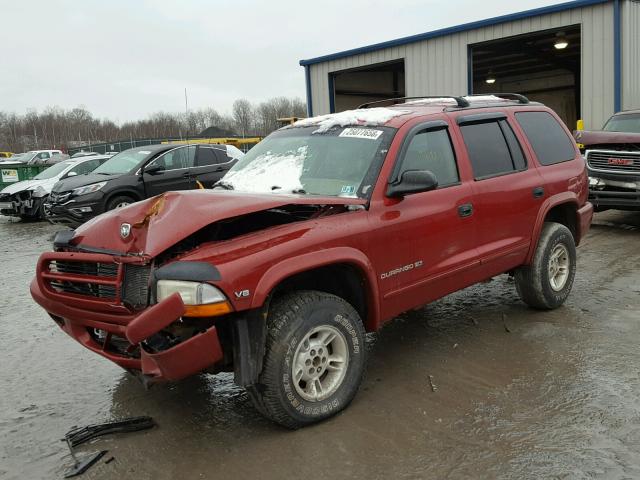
[[510, 17]]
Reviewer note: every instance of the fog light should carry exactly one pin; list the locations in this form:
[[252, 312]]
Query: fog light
[[82, 210]]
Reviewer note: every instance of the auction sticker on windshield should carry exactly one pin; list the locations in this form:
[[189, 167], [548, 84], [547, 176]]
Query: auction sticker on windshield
[[9, 176], [366, 133]]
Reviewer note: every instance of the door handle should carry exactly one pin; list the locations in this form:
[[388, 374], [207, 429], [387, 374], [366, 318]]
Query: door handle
[[538, 192], [186, 175], [465, 210]]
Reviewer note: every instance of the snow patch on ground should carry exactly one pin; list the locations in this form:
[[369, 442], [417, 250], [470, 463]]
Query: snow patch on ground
[[270, 170], [363, 116]]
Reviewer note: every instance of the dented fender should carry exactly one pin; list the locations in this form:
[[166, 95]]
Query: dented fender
[[321, 258]]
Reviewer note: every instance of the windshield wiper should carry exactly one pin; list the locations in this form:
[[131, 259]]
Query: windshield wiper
[[299, 191], [223, 184]]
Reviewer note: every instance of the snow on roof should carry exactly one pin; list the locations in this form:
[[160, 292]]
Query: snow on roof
[[363, 116]]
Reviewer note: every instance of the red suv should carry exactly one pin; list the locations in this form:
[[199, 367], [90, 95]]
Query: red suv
[[324, 231]]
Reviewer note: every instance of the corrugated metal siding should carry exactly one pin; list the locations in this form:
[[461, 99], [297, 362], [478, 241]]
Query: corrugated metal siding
[[439, 65], [630, 55]]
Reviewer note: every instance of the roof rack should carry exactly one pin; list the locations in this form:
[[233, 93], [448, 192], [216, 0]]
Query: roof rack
[[505, 96], [462, 103]]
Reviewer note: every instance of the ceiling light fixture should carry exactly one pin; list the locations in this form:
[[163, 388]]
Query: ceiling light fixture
[[561, 41], [491, 79]]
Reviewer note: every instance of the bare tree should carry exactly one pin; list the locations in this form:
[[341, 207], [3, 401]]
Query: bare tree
[[55, 127]]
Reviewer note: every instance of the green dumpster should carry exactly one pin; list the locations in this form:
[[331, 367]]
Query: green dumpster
[[16, 172]]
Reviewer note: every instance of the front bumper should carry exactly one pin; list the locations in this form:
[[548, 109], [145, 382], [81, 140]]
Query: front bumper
[[618, 191], [22, 204], [72, 212], [80, 318]]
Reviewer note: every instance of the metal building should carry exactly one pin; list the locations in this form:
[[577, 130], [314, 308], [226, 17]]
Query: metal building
[[581, 58]]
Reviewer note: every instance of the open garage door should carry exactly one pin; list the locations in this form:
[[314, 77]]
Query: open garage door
[[353, 87], [544, 66]]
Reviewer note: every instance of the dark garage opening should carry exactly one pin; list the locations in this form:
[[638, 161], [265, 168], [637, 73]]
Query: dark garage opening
[[532, 65], [353, 87]]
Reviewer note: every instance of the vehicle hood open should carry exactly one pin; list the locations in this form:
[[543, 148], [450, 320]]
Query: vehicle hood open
[[160, 222]]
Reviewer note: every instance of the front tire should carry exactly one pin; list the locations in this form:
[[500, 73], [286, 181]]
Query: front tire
[[119, 201], [547, 282], [314, 359]]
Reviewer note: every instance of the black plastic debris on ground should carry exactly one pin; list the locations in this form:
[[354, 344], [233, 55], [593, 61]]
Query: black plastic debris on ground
[[77, 436]]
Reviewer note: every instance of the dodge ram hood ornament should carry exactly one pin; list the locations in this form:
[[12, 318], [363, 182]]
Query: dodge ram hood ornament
[[125, 230]]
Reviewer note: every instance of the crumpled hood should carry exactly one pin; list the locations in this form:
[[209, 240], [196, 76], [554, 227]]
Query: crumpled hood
[[588, 138], [160, 222], [29, 185]]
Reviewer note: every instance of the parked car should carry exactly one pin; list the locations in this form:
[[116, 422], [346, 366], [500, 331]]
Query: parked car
[[613, 160], [84, 154], [25, 199], [325, 230], [40, 157], [136, 174]]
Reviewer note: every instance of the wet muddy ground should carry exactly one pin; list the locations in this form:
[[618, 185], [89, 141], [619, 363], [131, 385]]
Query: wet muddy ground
[[528, 395]]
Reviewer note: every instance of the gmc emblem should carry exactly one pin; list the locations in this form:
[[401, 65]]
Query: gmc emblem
[[620, 161]]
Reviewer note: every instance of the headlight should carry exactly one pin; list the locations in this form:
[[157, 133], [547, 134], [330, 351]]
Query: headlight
[[39, 192], [94, 187], [200, 299]]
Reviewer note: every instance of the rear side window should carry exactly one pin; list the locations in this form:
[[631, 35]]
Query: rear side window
[[493, 149], [206, 156], [85, 167], [431, 150], [548, 139]]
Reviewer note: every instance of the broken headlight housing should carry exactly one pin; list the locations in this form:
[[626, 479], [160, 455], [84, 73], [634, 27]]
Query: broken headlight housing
[[200, 299]]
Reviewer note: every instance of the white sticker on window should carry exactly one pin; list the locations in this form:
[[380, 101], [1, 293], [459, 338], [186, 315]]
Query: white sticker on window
[[361, 133]]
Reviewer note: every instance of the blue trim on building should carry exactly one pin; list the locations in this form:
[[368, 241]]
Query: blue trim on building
[[617, 65], [561, 7], [332, 95], [307, 80]]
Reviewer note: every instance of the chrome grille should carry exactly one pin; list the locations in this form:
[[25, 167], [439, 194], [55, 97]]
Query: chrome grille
[[614, 161], [89, 279], [87, 289], [135, 287], [84, 268], [59, 197]]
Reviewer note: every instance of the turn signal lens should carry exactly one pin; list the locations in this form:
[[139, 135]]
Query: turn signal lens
[[211, 310]]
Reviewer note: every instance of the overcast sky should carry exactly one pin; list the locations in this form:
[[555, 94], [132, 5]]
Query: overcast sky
[[124, 59]]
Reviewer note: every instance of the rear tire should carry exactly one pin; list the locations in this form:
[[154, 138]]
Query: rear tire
[[314, 359], [119, 201], [547, 282]]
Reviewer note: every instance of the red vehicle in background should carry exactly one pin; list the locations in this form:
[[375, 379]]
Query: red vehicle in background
[[324, 231]]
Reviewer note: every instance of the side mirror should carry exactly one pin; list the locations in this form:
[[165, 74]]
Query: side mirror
[[72, 174], [413, 181], [153, 169]]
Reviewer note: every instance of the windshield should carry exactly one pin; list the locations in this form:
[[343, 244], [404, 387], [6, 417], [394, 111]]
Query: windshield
[[53, 171], [338, 162], [123, 162], [627, 122]]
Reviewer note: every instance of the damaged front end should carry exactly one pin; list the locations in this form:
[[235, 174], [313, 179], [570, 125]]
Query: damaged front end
[[126, 285], [23, 204]]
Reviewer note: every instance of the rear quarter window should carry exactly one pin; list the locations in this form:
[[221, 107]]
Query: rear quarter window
[[547, 137]]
